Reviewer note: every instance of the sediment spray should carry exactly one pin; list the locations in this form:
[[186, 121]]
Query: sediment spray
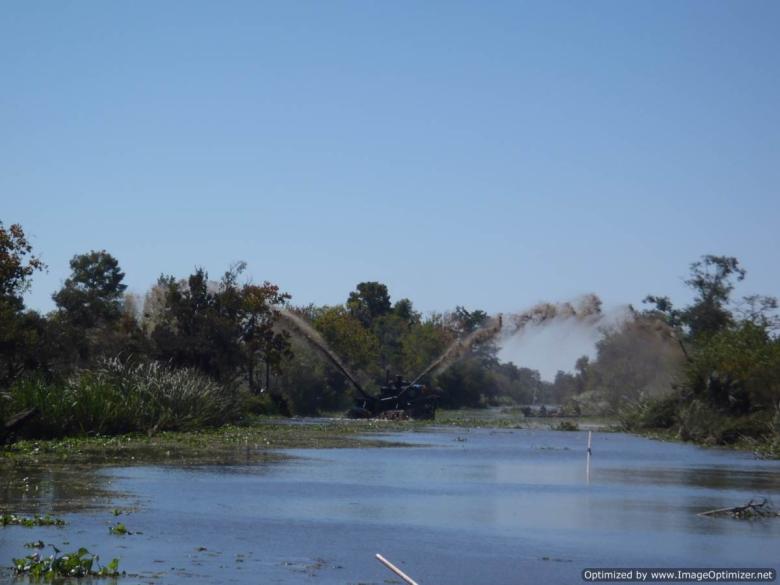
[[552, 336], [302, 328], [460, 346]]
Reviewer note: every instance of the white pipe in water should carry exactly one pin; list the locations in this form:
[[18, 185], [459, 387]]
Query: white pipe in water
[[396, 570], [587, 457]]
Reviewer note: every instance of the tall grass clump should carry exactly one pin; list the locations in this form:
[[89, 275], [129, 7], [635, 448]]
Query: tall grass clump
[[121, 397]]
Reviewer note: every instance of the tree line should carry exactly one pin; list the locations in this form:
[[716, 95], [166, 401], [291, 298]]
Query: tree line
[[708, 371], [231, 333]]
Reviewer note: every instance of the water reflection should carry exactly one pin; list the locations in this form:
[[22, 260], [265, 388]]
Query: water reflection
[[463, 508], [718, 478], [32, 488]]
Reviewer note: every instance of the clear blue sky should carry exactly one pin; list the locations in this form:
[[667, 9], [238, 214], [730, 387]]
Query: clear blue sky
[[490, 154]]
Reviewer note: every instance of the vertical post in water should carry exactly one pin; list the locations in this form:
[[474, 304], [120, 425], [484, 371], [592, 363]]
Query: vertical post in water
[[587, 457]]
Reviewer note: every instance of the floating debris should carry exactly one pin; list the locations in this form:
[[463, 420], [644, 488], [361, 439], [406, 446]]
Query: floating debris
[[749, 511]]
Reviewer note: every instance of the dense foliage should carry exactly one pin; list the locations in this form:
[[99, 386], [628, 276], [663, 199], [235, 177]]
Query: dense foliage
[[197, 352], [119, 397], [728, 388]]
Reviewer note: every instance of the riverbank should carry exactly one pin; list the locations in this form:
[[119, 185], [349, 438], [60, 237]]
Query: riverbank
[[252, 441], [265, 438], [759, 449], [260, 438]]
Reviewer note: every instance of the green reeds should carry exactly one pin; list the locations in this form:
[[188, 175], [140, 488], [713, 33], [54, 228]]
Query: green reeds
[[122, 397]]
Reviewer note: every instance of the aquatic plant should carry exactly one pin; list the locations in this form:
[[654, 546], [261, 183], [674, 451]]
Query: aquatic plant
[[81, 563], [14, 520], [120, 529]]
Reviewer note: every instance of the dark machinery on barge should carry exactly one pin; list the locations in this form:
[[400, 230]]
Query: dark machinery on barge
[[398, 399]]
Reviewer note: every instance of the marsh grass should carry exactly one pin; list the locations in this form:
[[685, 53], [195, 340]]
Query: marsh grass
[[255, 440], [122, 397]]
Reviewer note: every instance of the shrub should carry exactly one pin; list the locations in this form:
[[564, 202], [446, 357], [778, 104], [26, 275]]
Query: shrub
[[659, 413], [120, 397]]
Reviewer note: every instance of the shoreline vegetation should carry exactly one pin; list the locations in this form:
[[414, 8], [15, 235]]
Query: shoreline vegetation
[[265, 439], [204, 358], [262, 439]]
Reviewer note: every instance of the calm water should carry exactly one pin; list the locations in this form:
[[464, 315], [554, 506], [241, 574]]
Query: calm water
[[462, 507]]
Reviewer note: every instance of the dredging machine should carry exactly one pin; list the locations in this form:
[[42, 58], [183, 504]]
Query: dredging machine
[[398, 398]]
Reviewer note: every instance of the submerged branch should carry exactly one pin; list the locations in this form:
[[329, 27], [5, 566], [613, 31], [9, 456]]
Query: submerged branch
[[748, 511]]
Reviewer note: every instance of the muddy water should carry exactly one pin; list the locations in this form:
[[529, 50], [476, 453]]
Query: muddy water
[[461, 507]]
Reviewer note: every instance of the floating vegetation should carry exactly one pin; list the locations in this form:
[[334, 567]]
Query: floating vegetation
[[14, 520], [120, 529], [81, 563], [250, 441], [239, 443], [36, 544]]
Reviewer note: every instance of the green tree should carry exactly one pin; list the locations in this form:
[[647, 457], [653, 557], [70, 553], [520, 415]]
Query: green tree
[[712, 279], [466, 383], [261, 340], [346, 335], [17, 263], [93, 293], [737, 370], [369, 301], [422, 344], [89, 318], [222, 328], [21, 333], [198, 328], [761, 310], [404, 310], [465, 322]]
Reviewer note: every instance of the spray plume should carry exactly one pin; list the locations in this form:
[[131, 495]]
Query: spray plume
[[460, 346], [586, 310], [303, 329], [552, 336]]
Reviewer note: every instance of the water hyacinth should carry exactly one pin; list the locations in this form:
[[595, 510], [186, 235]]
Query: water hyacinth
[[78, 564], [14, 520]]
